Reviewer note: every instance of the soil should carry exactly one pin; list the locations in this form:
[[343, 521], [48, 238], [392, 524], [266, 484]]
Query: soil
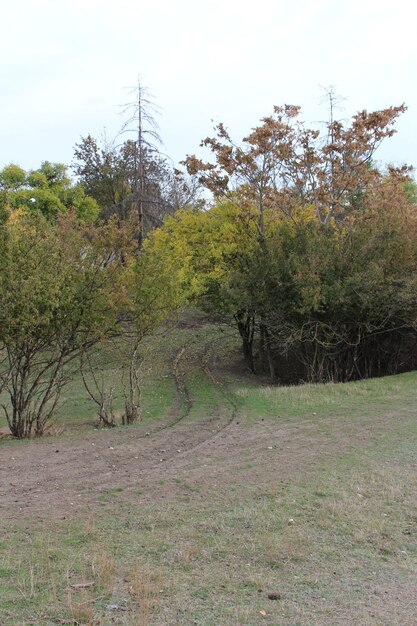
[[59, 477]]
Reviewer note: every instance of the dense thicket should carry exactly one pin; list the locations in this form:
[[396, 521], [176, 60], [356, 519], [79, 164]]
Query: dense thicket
[[311, 301], [322, 284]]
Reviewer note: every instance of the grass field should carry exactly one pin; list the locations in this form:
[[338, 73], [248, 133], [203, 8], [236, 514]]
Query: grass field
[[232, 502]]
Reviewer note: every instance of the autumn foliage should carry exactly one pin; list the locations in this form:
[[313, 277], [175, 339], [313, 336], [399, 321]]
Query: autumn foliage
[[326, 289], [309, 249]]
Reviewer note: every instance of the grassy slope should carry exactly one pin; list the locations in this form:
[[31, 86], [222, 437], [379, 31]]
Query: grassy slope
[[336, 540]]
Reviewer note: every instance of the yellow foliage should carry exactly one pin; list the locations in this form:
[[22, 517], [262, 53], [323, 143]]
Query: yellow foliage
[[195, 248]]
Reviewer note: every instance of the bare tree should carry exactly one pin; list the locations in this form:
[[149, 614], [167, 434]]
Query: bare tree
[[142, 125], [131, 177]]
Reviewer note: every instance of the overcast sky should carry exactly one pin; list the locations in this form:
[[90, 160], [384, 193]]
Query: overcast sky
[[66, 65]]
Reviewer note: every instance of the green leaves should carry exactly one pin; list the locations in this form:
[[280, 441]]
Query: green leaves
[[60, 293], [47, 190]]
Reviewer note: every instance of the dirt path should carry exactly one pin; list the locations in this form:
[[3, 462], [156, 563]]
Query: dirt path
[[46, 478]]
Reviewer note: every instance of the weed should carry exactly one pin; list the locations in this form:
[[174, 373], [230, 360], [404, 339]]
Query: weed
[[142, 592], [80, 609], [103, 569]]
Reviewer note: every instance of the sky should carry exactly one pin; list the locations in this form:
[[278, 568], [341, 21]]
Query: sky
[[67, 66]]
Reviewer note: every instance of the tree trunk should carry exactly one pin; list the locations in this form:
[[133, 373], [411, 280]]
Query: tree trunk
[[245, 321], [266, 349]]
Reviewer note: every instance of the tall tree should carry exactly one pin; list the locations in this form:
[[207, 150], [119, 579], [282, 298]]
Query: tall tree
[[133, 179], [281, 163], [141, 123]]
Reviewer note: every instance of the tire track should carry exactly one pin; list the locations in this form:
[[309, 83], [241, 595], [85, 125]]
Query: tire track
[[64, 477], [222, 387], [184, 393]]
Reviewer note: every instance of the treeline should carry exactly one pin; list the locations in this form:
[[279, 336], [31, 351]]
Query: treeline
[[308, 249]]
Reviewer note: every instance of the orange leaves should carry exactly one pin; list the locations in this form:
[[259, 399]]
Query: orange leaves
[[281, 163]]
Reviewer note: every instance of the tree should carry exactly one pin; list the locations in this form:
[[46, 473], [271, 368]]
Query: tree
[[154, 292], [48, 190], [123, 386], [199, 258], [60, 291], [283, 164], [342, 303], [142, 123], [132, 179]]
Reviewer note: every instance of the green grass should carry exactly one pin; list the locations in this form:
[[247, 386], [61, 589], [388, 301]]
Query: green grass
[[315, 541], [254, 398], [159, 397], [360, 396]]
